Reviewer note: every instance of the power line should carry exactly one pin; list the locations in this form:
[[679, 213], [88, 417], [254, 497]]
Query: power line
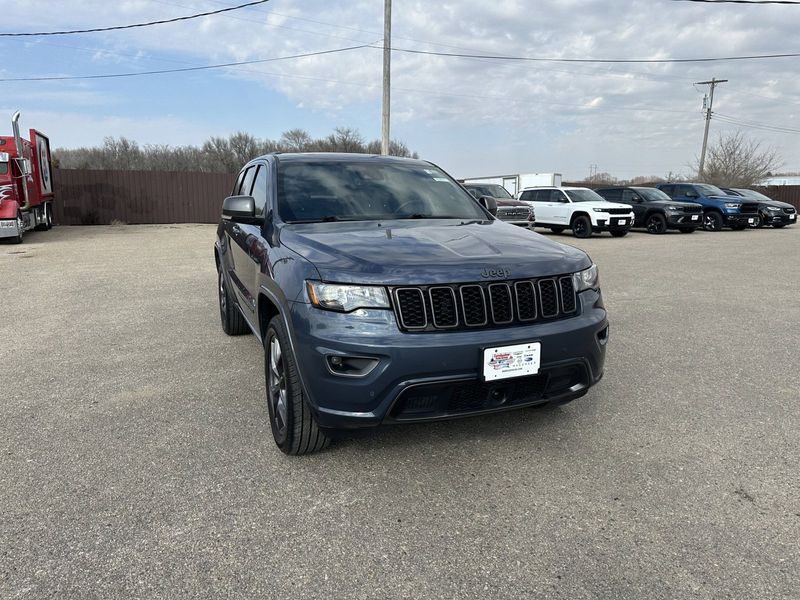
[[594, 60], [742, 1], [183, 69], [146, 24], [755, 124]]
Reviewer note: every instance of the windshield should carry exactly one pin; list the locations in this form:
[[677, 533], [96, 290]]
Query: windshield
[[754, 195], [710, 190], [490, 189], [652, 194], [364, 191], [584, 196]]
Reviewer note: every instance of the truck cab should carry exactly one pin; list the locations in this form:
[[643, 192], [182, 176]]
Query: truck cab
[[26, 183]]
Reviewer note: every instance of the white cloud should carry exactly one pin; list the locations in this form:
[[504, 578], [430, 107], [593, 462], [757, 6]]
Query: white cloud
[[623, 117]]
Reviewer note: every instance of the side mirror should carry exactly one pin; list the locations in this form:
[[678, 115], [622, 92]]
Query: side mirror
[[489, 204], [240, 209]]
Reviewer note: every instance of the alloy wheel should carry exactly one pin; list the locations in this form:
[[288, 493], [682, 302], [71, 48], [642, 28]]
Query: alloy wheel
[[655, 225], [277, 394]]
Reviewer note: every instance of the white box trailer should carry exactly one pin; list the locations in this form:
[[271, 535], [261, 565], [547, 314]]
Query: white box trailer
[[518, 182]]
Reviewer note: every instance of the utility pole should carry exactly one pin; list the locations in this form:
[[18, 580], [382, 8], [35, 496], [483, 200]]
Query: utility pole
[[387, 59], [713, 83]]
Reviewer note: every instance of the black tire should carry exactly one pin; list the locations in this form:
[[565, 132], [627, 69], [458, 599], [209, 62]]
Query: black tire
[[581, 227], [712, 221], [49, 213], [779, 225], [557, 229], [620, 233], [687, 230], [233, 322], [293, 426], [656, 224], [760, 222], [43, 226]]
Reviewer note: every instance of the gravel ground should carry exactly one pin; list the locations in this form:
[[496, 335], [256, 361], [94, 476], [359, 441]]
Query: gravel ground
[[136, 459]]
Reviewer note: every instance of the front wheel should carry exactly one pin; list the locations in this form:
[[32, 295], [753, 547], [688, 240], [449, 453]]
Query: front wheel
[[656, 223], [581, 227], [621, 233], [293, 426], [712, 221]]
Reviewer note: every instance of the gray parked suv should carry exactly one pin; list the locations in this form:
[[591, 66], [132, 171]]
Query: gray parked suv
[[383, 292]]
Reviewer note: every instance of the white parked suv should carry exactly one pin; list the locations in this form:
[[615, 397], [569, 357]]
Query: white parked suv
[[579, 209]]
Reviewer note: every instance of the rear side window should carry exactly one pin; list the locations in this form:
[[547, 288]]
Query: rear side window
[[682, 190], [613, 195], [260, 187], [528, 196]]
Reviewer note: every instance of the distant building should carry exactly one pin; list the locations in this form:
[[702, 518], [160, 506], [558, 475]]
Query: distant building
[[780, 180]]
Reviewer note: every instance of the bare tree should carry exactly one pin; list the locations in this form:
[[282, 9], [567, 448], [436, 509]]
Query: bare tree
[[737, 161], [216, 153]]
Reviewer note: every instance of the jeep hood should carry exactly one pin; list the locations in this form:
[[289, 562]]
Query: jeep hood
[[425, 251]]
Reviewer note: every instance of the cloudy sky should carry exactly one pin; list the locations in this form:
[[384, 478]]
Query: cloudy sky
[[472, 116]]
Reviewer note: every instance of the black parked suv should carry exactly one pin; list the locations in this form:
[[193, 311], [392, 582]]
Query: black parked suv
[[654, 210], [771, 212], [383, 292]]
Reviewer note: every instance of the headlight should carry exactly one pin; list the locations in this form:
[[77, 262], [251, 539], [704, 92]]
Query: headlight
[[732, 205], [773, 208], [344, 298], [674, 208], [587, 279], [600, 209]]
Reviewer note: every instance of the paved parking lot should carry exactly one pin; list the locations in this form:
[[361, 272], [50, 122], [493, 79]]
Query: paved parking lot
[[136, 459]]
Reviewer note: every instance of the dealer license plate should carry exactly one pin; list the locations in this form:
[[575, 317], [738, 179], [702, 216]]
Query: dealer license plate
[[751, 221], [503, 362], [622, 221], [695, 217], [792, 217]]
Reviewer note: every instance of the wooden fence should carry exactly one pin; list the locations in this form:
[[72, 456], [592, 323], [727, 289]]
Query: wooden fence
[[89, 197]]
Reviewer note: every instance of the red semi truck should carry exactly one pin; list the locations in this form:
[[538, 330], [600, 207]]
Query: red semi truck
[[26, 183]]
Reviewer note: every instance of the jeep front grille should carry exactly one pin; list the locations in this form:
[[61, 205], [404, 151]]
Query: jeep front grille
[[489, 304]]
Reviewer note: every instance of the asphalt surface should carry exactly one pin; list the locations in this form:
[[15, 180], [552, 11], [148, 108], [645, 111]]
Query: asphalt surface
[[136, 458]]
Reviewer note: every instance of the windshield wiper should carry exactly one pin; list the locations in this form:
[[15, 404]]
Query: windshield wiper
[[421, 216], [325, 219]]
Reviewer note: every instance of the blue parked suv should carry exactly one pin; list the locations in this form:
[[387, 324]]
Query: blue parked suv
[[719, 209], [383, 292]]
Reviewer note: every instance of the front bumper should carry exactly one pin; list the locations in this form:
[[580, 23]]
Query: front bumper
[[684, 220], [613, 223], [418, 375], [772, 218], [8, 228], [739, 219]]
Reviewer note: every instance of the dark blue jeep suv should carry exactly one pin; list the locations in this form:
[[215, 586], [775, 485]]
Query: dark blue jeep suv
[[383, 292]]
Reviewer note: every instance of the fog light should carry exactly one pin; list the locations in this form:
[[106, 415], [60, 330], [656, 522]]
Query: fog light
[[350, 366]]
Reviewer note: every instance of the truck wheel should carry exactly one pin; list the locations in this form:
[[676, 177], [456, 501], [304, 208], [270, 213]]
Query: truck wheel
[[233, 322], [293, 425], [43, 226], [712, 221], [20, 231], [656, 223], [620, 233], [49, 213], [687, 229], [557, 229], [581, 227]]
